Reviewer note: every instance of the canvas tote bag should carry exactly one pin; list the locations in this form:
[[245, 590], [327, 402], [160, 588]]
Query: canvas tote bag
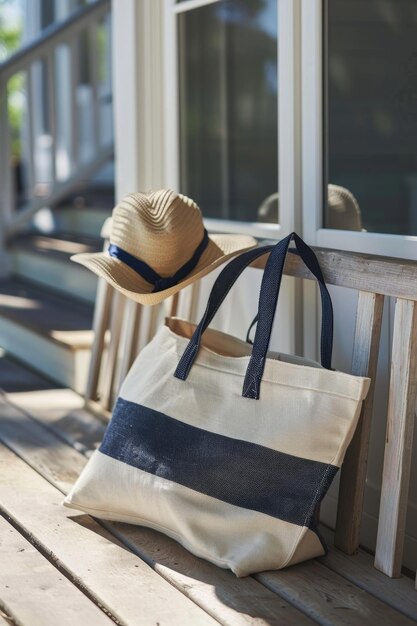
[[225, 447]]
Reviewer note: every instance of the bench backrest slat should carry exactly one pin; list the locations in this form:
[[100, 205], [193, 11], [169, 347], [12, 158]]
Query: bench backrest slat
[[102, 310], [363, 272], [129, 340], [353, 474], [399, 439]]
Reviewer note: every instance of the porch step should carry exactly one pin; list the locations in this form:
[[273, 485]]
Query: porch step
[[17, 378], [50, 333], [82, 221], [45, 260]]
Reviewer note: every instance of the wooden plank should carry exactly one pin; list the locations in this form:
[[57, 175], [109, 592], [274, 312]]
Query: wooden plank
[[88, 554], [364, 272], [174, 305], [359, 570], [353, 474], [35, 592], [329, 598], [217, 591], [399, 440], [194, 300], [100, 324], [51, 316], [153, 322], [107, 392], [129, 338], [62, 411], [15, 377], [228, 599], [34, 443]]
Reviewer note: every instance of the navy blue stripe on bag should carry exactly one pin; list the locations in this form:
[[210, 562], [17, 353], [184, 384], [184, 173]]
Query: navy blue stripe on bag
[[238, 472]]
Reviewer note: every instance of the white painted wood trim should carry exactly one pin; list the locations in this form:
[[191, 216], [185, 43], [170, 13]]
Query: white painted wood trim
[[401, 246], [263, 231], [188, 5], [171, 109], [53, 359], [125, 51], [289, 114], [139, 91], [312, 118]]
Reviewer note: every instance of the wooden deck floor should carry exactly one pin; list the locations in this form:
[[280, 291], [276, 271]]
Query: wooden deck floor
[[58, 567]]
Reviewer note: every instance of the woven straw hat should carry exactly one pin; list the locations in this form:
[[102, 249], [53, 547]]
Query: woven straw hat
[[158, 245]]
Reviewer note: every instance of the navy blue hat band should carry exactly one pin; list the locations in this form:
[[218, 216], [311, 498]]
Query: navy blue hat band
[[145, 271]]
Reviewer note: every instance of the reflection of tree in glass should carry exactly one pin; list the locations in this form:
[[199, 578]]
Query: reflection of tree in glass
[[10, 39], [228, 69], [10, 31]]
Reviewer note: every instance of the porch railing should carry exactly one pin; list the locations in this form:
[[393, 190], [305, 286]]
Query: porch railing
[[55, 114]]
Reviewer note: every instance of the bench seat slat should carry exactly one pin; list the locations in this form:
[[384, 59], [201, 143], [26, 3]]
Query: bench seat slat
[[399, 440], [363, 272], [359, 570], [329, 598], [35, 592], [90, 556]]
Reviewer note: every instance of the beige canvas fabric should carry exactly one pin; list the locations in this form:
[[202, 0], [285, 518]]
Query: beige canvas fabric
[[304, 411]]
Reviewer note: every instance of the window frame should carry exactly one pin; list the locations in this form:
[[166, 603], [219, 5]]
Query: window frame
[[313, 22], [289, 118]]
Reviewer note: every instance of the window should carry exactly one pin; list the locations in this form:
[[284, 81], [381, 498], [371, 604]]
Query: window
[[228, 108], [372, 122]]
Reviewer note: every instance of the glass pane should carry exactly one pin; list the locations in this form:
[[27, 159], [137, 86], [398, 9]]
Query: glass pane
[[11, 27], [372, 123], [229, 108], [17, 140]]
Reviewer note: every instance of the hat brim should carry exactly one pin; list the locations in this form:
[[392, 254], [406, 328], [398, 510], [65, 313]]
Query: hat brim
[[220, 248]]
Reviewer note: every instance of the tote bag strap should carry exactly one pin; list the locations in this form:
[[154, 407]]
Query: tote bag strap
[[327, 316], [268, 299], [267, 305], [222, 285]]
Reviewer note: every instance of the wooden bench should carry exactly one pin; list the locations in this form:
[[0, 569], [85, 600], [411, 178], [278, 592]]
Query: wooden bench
[[95, 571]]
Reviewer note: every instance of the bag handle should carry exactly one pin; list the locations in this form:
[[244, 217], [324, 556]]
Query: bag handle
[[268, 299], [255, 319], [267, 305], [222, 285], [316, 271]]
